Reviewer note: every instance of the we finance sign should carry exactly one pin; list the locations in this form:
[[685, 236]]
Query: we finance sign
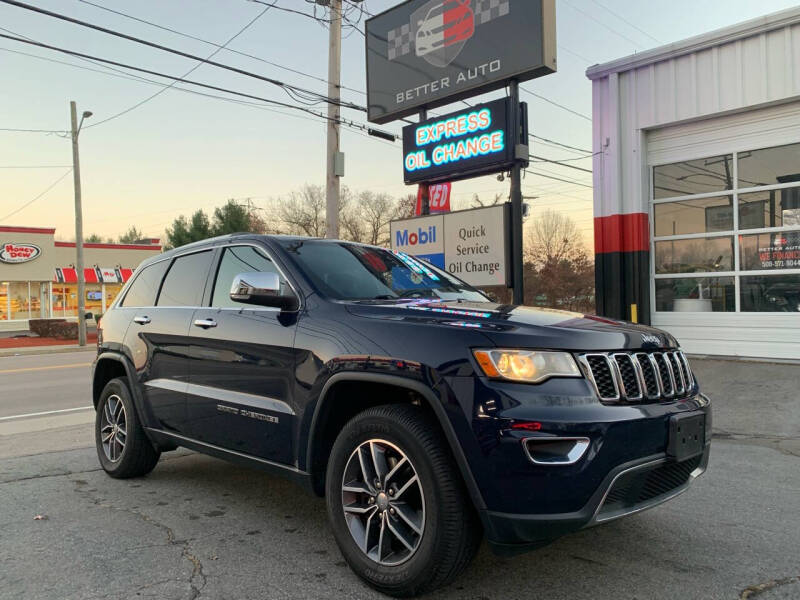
[[470, 244], [472, 142]]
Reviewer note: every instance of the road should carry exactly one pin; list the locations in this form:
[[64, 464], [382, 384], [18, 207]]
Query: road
[[46, 382], [200, 528]]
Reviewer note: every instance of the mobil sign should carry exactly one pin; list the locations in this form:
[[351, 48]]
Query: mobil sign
[[470, 244], [422, 237]]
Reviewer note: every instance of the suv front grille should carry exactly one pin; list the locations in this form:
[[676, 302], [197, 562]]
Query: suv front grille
[[639, 376]]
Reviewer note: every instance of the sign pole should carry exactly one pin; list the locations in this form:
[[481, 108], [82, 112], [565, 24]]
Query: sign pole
[[424, 190], [516, 200]]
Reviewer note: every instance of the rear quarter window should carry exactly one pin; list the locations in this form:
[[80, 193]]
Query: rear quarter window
[[144, 288]]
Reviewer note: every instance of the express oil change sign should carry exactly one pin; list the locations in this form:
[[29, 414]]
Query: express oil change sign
[[464, 144]]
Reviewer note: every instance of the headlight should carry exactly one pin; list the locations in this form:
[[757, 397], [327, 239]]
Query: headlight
[[532, 366]]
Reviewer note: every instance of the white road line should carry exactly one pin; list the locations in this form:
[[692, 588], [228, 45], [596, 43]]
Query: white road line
[[48, 412]]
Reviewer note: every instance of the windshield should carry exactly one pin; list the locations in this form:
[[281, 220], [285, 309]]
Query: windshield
[[345, 271]]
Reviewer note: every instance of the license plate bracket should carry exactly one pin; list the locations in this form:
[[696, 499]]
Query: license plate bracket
[[686, 436]]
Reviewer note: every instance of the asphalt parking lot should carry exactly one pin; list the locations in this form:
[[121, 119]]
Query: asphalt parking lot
[[198, 527]]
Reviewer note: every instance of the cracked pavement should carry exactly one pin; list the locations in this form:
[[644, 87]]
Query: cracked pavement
[[198, 527]]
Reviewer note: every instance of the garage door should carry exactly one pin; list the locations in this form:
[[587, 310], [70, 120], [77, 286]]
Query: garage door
[[725, 218]]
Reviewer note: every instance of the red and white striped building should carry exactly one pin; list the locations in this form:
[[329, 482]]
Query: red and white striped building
[[697, 188], [38, 278]]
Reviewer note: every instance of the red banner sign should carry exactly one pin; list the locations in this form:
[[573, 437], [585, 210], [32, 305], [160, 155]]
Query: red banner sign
[[438, 198]]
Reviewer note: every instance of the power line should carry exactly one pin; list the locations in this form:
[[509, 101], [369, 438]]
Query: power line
[[561, 106], [190, 71], [573, 182], [34, 166], [624, 20], [27, 204], [544, 139], [286, 87], [136, 78], [33, 130], [210, 43], [611, 29], [345, 122], [561, 163]]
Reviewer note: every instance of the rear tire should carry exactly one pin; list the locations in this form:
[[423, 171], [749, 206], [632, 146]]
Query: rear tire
[[122, 446], [438, 532]]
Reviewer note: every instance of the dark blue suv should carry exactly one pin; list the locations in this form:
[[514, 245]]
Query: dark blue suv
[[426, 414]]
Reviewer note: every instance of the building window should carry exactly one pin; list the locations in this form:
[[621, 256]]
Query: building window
[[727, 232]]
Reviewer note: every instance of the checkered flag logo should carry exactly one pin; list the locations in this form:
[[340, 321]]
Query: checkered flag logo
[[439, 29]]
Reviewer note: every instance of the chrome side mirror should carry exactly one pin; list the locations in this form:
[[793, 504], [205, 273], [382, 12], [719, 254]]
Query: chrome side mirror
[[263, 289]]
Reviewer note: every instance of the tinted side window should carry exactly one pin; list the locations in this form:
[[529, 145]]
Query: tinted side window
[[186, 280], [144, 288], [241, 259]]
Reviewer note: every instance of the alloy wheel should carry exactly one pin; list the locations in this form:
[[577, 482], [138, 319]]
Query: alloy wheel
[[113, 428], [383, 502]]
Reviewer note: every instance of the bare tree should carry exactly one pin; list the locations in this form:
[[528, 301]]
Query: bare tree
[[559, 271], [303, 212], [478, 203], [552, 237], [367, 217]]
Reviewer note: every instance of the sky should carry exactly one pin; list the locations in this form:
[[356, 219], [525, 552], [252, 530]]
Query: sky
[[179, 152]]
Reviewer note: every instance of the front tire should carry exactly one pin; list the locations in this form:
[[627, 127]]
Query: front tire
[[122, 446], [397, 505]]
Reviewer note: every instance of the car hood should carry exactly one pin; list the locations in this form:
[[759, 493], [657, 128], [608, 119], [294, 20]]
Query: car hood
[[521, 326]]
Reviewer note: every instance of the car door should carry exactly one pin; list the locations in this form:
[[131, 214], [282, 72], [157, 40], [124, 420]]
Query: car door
[[241, 376], [158, 335]]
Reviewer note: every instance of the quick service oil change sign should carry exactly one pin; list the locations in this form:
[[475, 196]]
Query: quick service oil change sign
[[470, 244]]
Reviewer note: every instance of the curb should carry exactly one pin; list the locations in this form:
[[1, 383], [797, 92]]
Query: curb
[[36, 350]]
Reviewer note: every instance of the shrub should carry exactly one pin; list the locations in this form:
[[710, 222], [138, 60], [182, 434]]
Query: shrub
[[44, 327], [66, 330]]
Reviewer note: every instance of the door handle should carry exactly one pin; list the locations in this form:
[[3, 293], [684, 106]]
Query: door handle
[[205, 323], [143, 320]]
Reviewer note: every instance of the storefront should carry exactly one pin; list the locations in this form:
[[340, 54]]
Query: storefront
[[697, 188], [38, 278]]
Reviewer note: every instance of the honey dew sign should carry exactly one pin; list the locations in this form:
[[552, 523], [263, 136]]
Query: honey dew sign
[[470, 244]]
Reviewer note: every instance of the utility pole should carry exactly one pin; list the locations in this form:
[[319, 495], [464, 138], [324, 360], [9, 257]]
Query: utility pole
[[516, 203], [76, 176], [335, 168]]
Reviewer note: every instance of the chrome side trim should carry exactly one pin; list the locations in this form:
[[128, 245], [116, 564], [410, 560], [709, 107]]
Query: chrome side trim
[[574, 455], [223, 395]]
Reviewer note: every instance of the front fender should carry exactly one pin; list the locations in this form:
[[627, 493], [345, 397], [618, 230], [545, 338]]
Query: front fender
[[441, 401]]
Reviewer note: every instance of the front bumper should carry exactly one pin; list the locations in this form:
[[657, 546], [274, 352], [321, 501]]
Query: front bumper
[[628, 489], [624, 469]]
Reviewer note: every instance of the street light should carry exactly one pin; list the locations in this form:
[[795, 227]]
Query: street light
[[76, 176]]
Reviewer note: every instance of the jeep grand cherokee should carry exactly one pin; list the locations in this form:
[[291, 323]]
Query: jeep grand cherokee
[[427, 415]]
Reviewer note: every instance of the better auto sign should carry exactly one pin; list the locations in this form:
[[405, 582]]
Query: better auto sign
[[434, 52], [11, 252]]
